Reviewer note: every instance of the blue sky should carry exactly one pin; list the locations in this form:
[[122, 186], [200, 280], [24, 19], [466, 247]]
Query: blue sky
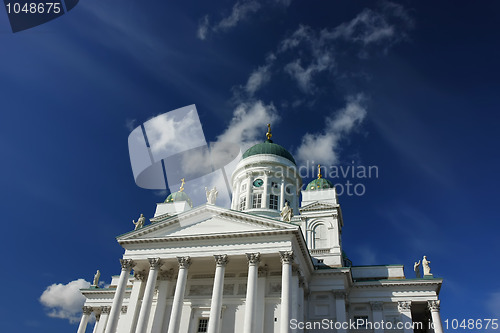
[[410, 87]]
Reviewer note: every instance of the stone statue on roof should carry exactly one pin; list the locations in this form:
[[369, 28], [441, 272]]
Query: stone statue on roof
[[425, 264], [416, 268], [97, 275], [140, 222], [211, 195], [286, 213]]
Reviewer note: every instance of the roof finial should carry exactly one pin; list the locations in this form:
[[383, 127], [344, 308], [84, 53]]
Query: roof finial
[[319, 171], [182, 185], [269, 134]]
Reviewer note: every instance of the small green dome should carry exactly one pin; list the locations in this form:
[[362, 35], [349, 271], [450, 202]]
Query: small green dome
[[179, 196], [268, 147], [319, 184]]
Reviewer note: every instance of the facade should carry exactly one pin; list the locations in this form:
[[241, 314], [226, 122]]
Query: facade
[[256, 268]]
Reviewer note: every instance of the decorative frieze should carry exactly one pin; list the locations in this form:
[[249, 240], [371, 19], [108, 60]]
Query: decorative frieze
[[221, 259], [286, 257], [404, 306], [253, 258], [127, 264], [184, 262], [433, 305]]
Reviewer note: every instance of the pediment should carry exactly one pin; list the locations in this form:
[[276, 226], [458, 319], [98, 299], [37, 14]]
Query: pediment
[[318, 206], [206, 220]]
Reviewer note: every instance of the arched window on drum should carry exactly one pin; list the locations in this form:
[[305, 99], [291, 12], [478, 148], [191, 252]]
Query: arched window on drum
[[320, 237]]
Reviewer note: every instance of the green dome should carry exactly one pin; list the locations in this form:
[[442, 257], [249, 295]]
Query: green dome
[[319, 184], [179, 196], [268, 147]]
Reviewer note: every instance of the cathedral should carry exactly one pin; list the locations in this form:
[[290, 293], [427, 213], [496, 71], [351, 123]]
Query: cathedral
[[273, 262]]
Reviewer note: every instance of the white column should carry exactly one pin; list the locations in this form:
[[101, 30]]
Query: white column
[[286, 278], [127, 265], [253, 264], [134, 303], [147, 300], [282, 194], [340, 310], [236, 195], [97, 313], [265, 194], [180, 288], [404, 308], [436, 317], [249, 191], [216, 305], [105, 314], [378, 315], [164, 284], [260, 304], [87, 310]]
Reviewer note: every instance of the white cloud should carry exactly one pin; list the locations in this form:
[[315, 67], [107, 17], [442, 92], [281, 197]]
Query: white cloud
[[165, 132], [249, 123], [304, 76], [257, 79], [493, 304], [323, 147], [203, 28], [241, 10], [65, 300]]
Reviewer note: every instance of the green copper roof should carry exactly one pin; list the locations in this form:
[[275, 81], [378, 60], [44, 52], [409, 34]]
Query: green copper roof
[[268, 147], [179, 196], [319, 184]]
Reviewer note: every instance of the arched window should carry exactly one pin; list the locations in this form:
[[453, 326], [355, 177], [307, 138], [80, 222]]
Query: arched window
[[320, 239]]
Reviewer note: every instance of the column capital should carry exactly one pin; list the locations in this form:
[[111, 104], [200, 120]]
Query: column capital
[[221, 259], [377, 306], [339, 294], [404, 306], [97, 315], [140, 275], [124, 309], [286, 257], [184, 262], [253, 258], [127, 264], [87, 310], [433, 305], [166, 275], [105, 309], [154, 263]]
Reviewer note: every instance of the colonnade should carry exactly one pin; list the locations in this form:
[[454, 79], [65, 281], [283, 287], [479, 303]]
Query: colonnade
[[107, 322]]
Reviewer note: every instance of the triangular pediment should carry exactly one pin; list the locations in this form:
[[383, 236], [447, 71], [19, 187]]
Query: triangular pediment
[[318, 206], [206, 220]]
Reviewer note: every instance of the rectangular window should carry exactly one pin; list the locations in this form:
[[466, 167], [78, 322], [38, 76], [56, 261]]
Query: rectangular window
[[274, 185], [273, 201], [243, 203], [257, 201], [202, 325]]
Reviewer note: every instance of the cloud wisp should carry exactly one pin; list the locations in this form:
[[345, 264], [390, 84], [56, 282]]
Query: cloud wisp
[[240, 12], [323, 147], [65, 301]]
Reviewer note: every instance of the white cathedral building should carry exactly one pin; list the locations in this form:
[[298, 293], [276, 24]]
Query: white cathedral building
[[256, 267]]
